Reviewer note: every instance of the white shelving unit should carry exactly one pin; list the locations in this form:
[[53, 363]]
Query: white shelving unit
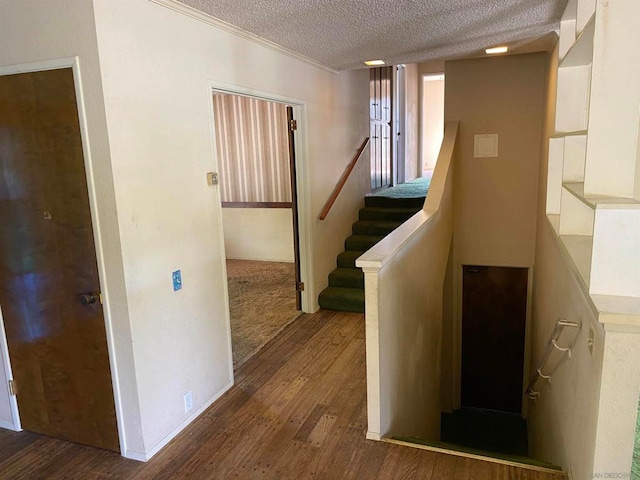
[[593, 195]]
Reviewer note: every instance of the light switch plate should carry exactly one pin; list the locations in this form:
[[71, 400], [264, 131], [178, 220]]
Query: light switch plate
[[212, 179], [485, 146], [177, 280]]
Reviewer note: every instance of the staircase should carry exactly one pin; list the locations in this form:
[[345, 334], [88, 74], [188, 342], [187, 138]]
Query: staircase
[[380, 216]]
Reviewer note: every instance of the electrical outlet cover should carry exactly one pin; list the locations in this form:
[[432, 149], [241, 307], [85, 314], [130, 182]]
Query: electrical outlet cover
[[177, 280], [188, 402]]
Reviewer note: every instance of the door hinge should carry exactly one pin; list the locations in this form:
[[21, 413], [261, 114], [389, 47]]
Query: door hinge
[[300, 286], [12, 388], [293, 125]]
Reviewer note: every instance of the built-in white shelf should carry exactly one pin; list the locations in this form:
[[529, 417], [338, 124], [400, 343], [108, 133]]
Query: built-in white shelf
[[577, 189], [574, 85], [578, 248], [585, 12], [576, 217], [593, 197], [581, 51]]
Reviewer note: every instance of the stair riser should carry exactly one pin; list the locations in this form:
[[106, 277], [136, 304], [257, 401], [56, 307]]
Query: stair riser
[[378, 230], [389, 215], [347, 282], [360, 245], [348, 259], [329, 302], [393, 202]]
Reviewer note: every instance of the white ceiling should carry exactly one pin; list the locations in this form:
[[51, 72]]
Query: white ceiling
[[343, 33]]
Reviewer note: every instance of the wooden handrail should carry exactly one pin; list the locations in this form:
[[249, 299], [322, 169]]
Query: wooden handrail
[[336, 191]]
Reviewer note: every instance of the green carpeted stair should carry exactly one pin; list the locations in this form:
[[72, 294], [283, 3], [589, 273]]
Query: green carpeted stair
[[383, 213]]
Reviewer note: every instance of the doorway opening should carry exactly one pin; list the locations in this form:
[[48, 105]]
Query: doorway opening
[[432, 121], [494, 323], [258, 191]]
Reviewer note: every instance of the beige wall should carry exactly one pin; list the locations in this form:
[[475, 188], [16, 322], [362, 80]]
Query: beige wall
[[264, 234], [496, 198], [412, 114], [562, 422], [432, 120]]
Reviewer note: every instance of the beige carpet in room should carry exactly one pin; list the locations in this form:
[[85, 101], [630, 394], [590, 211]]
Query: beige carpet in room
[[262, 301]]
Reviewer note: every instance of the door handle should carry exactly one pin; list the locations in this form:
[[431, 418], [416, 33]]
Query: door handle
[[89, 298]]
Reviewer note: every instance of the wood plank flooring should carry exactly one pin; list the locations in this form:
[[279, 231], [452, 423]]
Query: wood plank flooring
[[297, 411]]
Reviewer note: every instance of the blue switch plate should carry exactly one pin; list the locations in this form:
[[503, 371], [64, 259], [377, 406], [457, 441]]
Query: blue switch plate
[[177, 280]]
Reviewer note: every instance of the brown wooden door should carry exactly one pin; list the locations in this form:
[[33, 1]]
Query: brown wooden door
[[494, 310], [381, 121], [57, 346], [294, 206]]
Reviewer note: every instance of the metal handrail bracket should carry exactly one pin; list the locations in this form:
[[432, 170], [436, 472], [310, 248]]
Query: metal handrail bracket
[[552, 345]]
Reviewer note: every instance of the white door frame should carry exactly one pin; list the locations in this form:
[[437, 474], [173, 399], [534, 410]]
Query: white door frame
[[398, 134], [302, 180], [456, 354], [74, 64]]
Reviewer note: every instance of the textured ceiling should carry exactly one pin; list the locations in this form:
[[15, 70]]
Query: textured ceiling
[[343, 33]]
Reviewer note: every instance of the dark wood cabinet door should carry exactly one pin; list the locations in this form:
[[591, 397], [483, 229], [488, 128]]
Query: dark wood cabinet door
[[57, 346]]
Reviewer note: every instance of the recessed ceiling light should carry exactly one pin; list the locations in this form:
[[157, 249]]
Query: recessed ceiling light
[[374, 63], [494, 50]]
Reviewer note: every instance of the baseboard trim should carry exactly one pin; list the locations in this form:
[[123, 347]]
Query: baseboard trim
[[475, 457], [373, 436], [9, 426], [145, 457]]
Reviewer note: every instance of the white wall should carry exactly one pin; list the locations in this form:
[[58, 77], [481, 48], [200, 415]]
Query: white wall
[[157, 65], [36, 31], [264, 234], [432, 114], [618, 403]]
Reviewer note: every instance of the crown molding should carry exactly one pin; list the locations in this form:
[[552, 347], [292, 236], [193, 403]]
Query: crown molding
[[227, 27]]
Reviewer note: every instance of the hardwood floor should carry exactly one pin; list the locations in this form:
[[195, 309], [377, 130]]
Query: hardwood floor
[[297, 411]]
